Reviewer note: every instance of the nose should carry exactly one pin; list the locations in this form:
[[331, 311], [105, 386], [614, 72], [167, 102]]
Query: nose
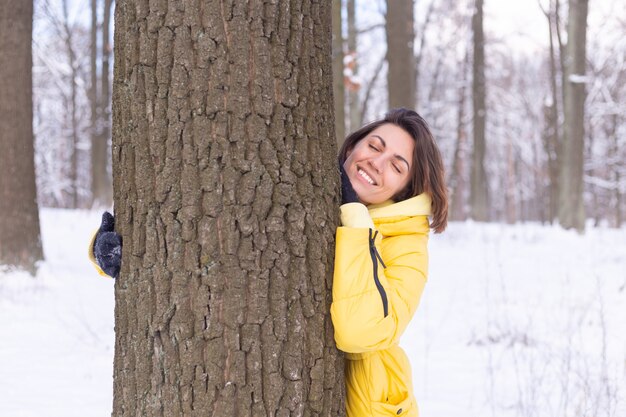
[[376, 163]]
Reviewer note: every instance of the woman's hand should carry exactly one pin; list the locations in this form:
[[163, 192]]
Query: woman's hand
[[107, 248], [348, 195]]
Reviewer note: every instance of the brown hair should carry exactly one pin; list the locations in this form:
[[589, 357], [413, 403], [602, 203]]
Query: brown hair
[[427, 172]]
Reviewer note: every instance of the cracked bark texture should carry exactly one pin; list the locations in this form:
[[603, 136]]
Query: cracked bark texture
[[226, 191]]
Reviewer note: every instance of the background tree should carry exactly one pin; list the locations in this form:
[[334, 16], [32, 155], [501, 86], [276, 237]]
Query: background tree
[[20, 242], [571, 208], [338, 85], [479, 186], [99, 100], [354, 83], [224, 158], [401, 77]]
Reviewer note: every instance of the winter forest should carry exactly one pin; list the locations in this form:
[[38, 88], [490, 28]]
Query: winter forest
[[210, 127]]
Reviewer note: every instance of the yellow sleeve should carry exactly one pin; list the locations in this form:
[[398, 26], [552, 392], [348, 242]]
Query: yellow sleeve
[[92, 258], [373, 304]]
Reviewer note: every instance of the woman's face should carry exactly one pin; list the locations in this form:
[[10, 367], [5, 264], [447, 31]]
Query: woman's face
[[379, 164]]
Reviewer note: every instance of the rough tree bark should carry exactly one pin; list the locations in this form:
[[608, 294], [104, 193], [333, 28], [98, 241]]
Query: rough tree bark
[[571, 171], [400, 56], [338, 86], [20, 243], [225, 189], [479, 195]]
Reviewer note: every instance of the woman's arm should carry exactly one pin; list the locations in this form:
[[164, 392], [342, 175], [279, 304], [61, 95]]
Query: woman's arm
[[105, 249], [372, 303]]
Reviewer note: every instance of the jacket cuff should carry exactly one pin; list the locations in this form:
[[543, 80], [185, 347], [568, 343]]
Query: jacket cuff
[[92, 258], [355, 215]]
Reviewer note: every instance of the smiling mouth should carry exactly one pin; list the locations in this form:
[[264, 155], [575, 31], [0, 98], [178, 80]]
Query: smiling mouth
[[366, 176]]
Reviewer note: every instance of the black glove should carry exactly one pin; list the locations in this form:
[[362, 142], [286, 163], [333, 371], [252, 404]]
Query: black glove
[[107, 247], [348, 195]]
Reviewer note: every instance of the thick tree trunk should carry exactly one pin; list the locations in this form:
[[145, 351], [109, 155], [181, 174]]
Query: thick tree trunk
[[479, 199], [571, 205], [338, 84], [226, 185], [20, 243], [400, 56]]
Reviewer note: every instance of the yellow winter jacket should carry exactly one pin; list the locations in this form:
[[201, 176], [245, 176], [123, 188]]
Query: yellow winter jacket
[[381, 264]]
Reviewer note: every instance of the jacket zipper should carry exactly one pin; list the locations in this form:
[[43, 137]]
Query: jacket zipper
[[375, 258]]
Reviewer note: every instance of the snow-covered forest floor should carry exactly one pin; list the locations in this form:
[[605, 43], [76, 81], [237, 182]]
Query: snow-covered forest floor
[[522, 320]]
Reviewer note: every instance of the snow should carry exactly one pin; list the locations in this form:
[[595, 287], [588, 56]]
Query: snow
[[579, 79], [56, 350], [516, 320]]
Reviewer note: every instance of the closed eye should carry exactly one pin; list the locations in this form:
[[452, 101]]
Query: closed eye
[[397, 169], [374, 148]]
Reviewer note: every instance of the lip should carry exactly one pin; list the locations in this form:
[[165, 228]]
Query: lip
[[358, 167]]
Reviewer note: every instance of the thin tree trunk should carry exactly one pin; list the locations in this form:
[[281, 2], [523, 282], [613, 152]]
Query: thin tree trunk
[[338, 82], [225, 189], [551, 136], [457, 178], [510, 185], [353, 93], [20, 243], [73, 106], [479, 187], [101, 179], [400, 56], [571, 206], [422, 45]]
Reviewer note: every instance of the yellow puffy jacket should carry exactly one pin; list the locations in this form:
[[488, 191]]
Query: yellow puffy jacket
[[381, 263]]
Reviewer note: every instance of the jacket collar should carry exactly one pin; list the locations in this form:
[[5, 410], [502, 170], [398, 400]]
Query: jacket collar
[[419, 205]]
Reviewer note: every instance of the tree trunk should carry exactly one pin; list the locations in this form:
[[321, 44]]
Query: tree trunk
[[226, 194], [400, 55], [73, 105], [20, 243], [100, 178], [616, 167], [551, 138], [353, 94], [479, 186], [457, 177], [338, 84], [571, 206]]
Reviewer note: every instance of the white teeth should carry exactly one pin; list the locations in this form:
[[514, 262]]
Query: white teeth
[[367, 177]]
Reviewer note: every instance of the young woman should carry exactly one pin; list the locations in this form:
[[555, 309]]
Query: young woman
[[392, 181]]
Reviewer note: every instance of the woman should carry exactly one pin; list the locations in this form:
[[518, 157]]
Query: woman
[[392, 180]]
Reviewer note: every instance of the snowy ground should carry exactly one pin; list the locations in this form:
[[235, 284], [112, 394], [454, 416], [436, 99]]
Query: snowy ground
[[515, 321]]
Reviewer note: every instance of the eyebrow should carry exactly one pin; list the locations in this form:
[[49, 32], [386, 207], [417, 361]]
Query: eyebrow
[[396, 155]]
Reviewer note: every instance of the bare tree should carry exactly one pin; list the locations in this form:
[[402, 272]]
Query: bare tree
[[224, 162], [401, 75], [20, 242], [354, 84], [571, 208], [338, 84], [457, 180], [99, 98], [479, 196], [101, 187]]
